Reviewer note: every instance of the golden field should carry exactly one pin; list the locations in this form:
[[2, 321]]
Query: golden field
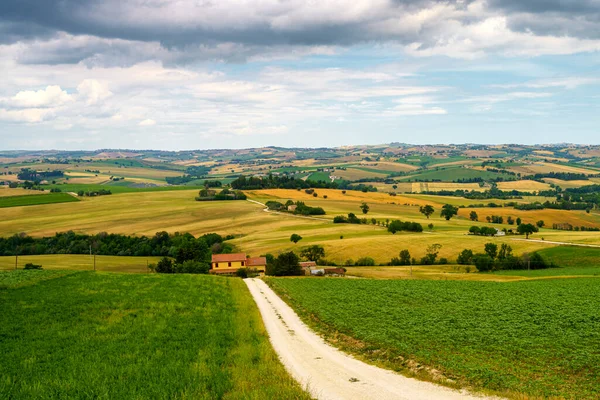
[[258, 232]]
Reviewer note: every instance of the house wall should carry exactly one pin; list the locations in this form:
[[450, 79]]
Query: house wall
[[227, 265]]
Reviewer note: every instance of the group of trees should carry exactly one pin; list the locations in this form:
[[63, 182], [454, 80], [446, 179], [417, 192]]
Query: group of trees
[[430, 257], [93, 193], [501, 258], [191, 174], [207, 194], [27, 174], [181, 247], [350, 219], [398, 226], [522, 229], [300, 207]]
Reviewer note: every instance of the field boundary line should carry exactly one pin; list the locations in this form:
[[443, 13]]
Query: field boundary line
[[327, 372]]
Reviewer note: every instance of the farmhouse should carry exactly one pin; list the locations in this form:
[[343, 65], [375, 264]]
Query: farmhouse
[[224, 264]]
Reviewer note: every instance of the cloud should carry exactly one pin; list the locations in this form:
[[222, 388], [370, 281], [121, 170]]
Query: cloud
[[125, 32], [51, 96], [566, 83], [147, 122], [91, 91]]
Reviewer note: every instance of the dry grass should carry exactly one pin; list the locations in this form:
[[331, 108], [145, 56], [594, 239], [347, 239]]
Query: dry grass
[[575, 218], [5, 191], [388, 166], [543, 168], [524, 185], [569, 184], [418, 187]]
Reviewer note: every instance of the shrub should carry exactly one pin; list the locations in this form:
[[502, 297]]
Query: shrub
[[443, 261], [165, 266], [241, 273], [32, 266], [365, 262], [192, 267], [483, 262], [465, 257]]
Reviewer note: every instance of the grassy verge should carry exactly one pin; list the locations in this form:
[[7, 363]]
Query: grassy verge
[[521, 339], [109, 336], [36, 199]]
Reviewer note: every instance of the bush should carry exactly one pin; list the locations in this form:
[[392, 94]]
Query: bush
[[365, 262], [286, 264], [242, 273], [465, 257], [397, 226], [165, 266], [192, 267], [443, 261], [483, 262], [32, 266]]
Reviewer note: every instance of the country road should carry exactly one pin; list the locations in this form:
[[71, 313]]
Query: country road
[[328, 373]]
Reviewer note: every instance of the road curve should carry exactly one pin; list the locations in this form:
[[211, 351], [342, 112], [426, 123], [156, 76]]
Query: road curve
[[326, 372]]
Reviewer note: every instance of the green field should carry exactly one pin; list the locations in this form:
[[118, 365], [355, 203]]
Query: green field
[[452, 175], [116, 187], [573, 261], [81, 262], [532, 338], [36, 199], [119, 336]]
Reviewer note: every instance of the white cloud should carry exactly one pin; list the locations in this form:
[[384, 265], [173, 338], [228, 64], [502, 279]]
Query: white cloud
[[51, 96], [91, 91], [566, 83], [147, 122]]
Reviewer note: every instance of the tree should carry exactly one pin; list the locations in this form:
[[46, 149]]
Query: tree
[[432, 253], [505, 251], [430, 226], [465, 257], [473, 216], [540, 224], [295, 238], [483, 262], [518, 221], [364, 207], [427, 210], [313, 253], [165, 266], [448, 211], [491, 249], [286, 264], [527, 229], [404, 257], [510, 220]]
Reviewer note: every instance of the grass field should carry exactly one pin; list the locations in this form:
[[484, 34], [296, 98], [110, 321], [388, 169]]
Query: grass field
[[8, 192], [521, 339], [36, 199], [78, 262], [127, 336], [523, 186], [258, 232], [575, 261]]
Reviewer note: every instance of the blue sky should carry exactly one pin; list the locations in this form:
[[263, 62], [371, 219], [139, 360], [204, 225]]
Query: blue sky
[[246, 73]]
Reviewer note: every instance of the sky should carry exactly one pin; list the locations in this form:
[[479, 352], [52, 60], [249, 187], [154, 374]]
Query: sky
[[199, 74]]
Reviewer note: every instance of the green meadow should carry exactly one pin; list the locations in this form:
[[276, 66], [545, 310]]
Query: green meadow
[[132, 336], [36, 199]]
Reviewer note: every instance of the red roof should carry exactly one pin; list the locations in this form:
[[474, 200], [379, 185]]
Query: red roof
[[305, 264], [256, 261], [229, 257]]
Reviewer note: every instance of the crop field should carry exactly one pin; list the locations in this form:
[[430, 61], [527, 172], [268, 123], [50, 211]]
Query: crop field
[[126, 336], [523, 186], [542, 168], [353, 174], [36, 199], [517, 339], [79, 262], [258, 232], [571, 184], [575, 261], [418, 187], [387, 166], [450, 174], [8, 192]]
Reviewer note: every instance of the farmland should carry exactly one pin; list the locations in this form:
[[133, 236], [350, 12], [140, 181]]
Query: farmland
[[78, 262], [536, 338], [36, 199], [96, 335]]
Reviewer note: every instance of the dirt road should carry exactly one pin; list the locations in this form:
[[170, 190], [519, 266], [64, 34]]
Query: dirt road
[[328, 373]]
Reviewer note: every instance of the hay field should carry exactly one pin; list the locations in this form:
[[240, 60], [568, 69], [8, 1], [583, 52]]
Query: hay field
[[549, 216], [259, 232], [388, 166], [418, 187], [524, 186], [79, 262], [5, 191], [571, 184], [353, 174], [543, 168]]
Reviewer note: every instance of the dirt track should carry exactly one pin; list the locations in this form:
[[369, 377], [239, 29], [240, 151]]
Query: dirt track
[[328, 373]]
